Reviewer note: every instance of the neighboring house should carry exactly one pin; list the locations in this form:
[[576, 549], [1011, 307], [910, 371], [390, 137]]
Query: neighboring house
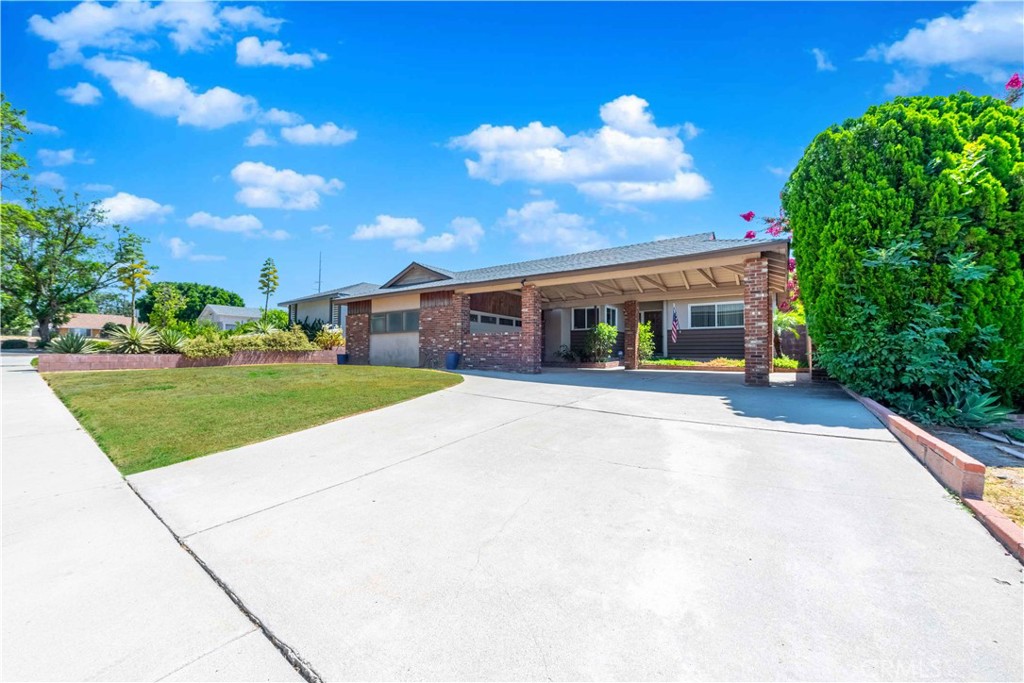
[[516, 316], [91, 324], [228, 317]]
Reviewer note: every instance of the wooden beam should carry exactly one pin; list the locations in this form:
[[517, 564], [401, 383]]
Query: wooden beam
[[682, 274], [650, 281], [637, 283], [734, 269], [707, 276]]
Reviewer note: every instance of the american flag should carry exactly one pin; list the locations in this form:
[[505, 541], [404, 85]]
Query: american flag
[[675, 324]]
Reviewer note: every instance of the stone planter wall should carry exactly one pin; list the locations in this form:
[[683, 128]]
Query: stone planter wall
[[64, 362]]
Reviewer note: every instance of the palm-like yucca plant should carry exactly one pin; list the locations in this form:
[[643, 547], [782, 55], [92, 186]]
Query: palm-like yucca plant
[[263, 327], [72, 343], [133, 339], [170, 341]]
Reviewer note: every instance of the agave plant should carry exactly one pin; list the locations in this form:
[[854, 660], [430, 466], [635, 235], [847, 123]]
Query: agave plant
[[72, 343], [133, 339], [170, 341], [263, 327]]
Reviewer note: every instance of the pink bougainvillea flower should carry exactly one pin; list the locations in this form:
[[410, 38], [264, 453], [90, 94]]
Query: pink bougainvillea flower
[[792, 265], [774, 229], [748, 216], [1014, 82], [750, 235], [784, 306]]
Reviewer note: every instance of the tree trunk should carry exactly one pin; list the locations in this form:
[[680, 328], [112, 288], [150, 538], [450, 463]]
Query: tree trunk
[[133, 307], [44, 329], [266, 304]]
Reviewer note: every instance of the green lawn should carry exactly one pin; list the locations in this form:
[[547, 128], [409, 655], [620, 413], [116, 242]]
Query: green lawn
[[144, 419]]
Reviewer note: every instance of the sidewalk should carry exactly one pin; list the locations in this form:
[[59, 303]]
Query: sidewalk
[[94, 586]]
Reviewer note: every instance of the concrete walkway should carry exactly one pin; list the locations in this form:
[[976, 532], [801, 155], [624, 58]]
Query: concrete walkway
[[604, 525], [94, 586]]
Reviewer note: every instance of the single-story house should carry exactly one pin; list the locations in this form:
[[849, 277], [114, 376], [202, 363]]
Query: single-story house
[[91, 324], [228, 317], [515, 317]]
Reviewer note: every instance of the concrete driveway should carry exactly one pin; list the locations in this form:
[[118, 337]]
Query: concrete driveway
[[604, 525]]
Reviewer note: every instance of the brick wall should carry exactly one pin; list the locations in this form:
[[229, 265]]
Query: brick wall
[[495, 351], [757, 322], [63, 362], [444, 323], [631, 341], [357, 337], [532, 331]]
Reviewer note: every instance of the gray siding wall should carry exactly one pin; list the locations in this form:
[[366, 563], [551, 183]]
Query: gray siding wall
[[707, 344]]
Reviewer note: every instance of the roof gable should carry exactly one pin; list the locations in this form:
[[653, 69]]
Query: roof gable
[[417, 274]]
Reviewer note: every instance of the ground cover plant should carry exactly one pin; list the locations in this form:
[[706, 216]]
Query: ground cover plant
[[908, 226], [150, 418]]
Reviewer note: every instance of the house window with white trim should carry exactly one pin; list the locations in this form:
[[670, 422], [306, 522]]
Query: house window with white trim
[[611, 316], [584, 318], [725, 314]]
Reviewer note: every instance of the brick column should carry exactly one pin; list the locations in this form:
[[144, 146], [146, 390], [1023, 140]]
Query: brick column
[[757, 322], [631, 343], [532, 340], [357, 338], [444, 323]]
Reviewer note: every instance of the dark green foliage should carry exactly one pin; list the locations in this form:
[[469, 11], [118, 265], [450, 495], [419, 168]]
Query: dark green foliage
[[645, 347], [600, 341], [196, 297], [909, 231], [277, 318], [133, 339], [72, 343], [170, 341], [14, 344], [311, 328]]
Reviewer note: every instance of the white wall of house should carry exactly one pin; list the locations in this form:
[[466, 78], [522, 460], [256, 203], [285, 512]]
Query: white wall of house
[[314, 308], [402, 348], [556, 332]]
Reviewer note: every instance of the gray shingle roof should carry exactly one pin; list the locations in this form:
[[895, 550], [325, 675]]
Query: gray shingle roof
[[356, 289], [689, 245], [246, 311]]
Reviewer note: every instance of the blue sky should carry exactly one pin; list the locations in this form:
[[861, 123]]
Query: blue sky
[[460, 135]]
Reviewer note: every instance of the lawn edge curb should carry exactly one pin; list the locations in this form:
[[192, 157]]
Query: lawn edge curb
[[953, 468]]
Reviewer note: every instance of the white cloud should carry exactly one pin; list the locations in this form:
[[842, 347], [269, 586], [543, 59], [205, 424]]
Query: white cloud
[[158, 93], [821, 60], [690, 131], [280, 117], [250, 51], [42, 128], [125, 208], [50, 179], [98, 187], [265, 187], [778, 170], [259, 138], [388, 227], [327, 134], [128, 26], [180, 249], [321, 230], [540, 223], [83, 94], [246, 225], [62, 157], [987, 40], [630, 158], [462, 232]]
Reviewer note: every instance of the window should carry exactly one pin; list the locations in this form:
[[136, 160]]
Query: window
[[611, 316], [716, 315], [474, 318], [584, 318], [395, 321], [489, 319], [507, 322]]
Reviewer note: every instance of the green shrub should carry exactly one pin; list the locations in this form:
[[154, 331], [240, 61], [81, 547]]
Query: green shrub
[[600, 341], [276, 317], [907, 225], [72, 343], [34, 362], [101, 345], [206, 347], [567, 354], [645, 345], [108, 328], [14, 344], [329, 339], [786, 362], [170, 340], [311, 328], [265, 327], [133, 339]]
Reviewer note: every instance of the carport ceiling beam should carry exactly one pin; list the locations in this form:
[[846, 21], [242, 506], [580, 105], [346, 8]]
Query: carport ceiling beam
[[686, 282], [637, 283], [707, 276], [651, 282]]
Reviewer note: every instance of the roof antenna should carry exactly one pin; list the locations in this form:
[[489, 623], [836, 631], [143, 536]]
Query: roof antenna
[[319, 271]]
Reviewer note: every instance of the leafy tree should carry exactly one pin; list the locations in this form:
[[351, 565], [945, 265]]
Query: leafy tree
[[268, 281], [111, 303], [55, 256], [276, 317], [134, 274], [908, 226], [12, 131], [196, 297], [168, 302]]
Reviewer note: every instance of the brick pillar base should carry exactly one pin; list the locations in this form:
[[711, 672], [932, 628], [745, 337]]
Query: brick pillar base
[[757, 322], [631, 343], [357, 338], [532, 339]]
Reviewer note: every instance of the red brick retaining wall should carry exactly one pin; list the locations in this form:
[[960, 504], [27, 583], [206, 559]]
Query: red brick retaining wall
[[63, 362], [493, 351]]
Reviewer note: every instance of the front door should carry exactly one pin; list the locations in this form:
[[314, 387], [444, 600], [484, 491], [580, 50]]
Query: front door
[[654, 318]]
